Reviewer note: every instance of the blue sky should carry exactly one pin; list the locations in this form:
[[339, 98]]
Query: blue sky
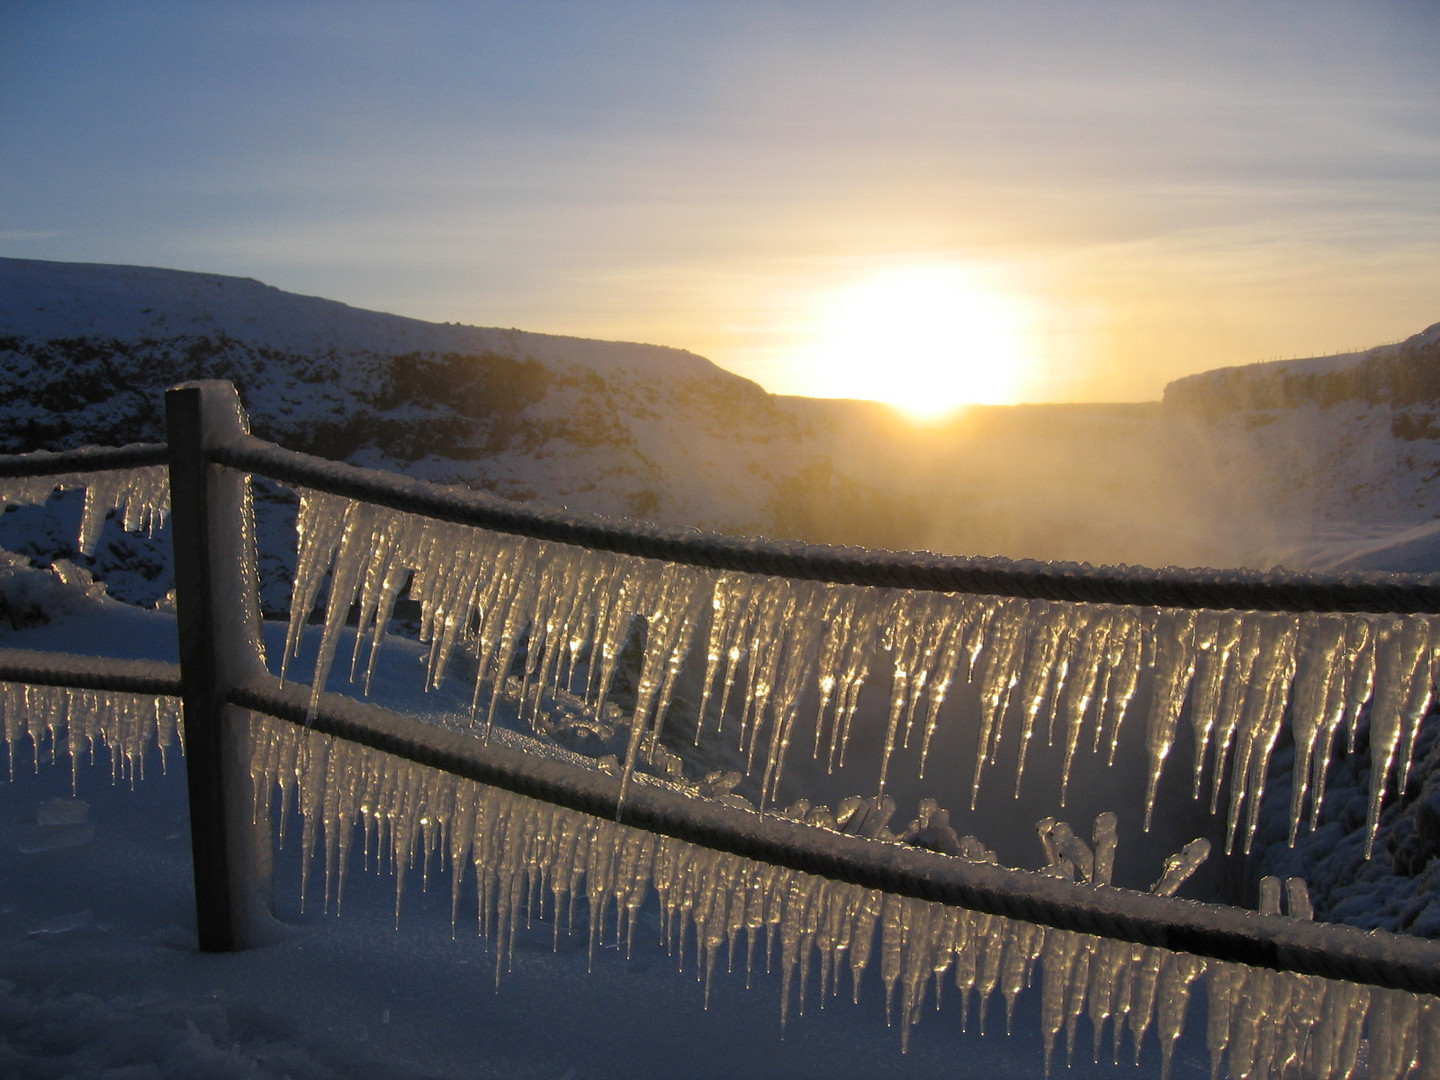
[[1161, 187]]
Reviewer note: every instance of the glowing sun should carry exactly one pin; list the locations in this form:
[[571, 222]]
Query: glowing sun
[[927, 339]]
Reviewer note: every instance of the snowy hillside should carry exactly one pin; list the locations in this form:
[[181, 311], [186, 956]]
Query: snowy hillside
[[633, 430], [88, 349], [47, 300]]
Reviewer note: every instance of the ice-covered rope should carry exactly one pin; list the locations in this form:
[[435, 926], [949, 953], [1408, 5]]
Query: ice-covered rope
[[1170, 587], [535, 858], [89, 672], [80, 702], [1214, 931], [83, 459], [1041, 668], [130, 479], [1077, 582]]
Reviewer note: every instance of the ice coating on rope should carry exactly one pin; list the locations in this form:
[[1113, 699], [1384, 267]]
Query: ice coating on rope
[[767, 644], [142, 497], [535, 860], [81, 720]]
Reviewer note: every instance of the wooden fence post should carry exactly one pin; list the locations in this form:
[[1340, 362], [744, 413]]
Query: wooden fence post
[[218, 617]]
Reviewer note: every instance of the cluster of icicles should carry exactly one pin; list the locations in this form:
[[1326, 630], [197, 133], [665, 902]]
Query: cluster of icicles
[[82, 720], [1067, 670], [532, 859], [141, 496]]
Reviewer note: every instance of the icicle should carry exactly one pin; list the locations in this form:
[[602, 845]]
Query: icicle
[[1057, 968], [1403, 651], [902, 640], [1105, 839], [1172, 997], [1241, 663], [996, 679], [1086, 668], [1269, 901], [1216, 635], [1174, 666], [1224, 986], [1124, 655], [1297, 899], [796, 671], [1143, 986], [1049, 623], [1023, 946], [860, 636], [1394, 1049], [1307, 996], [1108, 959], [1259, 724], [1322, 646], [950, 653]]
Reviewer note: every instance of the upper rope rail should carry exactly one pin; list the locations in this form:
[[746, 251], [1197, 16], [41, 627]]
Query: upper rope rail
[[1076, 582], [1248, 590], [85, 459]]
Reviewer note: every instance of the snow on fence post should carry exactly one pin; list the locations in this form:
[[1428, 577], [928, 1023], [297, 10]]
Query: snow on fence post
[[218, 616]]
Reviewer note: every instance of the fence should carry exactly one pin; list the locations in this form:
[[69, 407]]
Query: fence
[[221, 672]]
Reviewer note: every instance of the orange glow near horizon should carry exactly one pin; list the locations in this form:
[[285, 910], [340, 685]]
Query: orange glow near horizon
[[928, 339]]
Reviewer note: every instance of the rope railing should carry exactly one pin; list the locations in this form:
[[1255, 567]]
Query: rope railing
[[1230, 934], [89, 672], [84, 459]]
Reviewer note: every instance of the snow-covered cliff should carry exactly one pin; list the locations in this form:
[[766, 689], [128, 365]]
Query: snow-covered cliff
[[1343, 451]]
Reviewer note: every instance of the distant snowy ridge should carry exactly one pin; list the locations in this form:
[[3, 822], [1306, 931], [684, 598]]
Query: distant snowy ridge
[[48, 300]]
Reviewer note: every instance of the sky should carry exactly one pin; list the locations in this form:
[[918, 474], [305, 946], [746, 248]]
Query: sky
[[1021, 201]]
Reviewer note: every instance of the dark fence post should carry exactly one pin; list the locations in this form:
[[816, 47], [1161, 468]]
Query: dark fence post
[[218, 617]]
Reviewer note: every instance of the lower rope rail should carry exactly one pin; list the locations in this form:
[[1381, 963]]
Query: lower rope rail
[[1209, 930]]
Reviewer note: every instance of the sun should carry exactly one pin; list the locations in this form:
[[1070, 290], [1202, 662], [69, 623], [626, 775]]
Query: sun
[[928, 339]]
